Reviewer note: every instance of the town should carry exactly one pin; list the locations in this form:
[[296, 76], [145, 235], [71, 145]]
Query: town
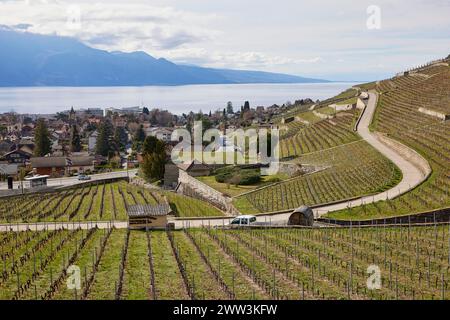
[[93, 140], [190, 153]]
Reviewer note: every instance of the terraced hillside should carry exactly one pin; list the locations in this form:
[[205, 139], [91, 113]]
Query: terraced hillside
[[95, 202], [399, 117], [294, 264], [349, 171], [300, 138]]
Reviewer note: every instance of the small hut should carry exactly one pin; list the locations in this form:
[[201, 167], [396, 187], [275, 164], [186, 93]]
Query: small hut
[[303, 216], [148, 216]]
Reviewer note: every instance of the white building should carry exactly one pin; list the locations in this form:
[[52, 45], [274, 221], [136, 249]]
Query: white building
[[125, 111], [163, 134]]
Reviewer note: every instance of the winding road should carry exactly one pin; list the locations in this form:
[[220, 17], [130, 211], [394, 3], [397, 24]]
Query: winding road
[[414, 167]]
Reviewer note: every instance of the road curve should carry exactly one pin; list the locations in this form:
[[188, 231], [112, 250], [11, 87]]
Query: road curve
[[414, 167]]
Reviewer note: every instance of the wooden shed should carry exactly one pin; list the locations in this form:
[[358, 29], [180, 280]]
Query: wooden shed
[[148, 216]]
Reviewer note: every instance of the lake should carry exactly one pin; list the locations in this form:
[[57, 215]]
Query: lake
[[177, 99]]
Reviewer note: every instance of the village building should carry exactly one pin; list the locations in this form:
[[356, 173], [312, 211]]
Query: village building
[[60, 166], [195, 169], [6, 146], [9, 172], [15, 127], [163, 134], [148, 216], [171, 175], [17, 156]]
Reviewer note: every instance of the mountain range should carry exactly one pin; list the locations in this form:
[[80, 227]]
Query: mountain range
[[28, 59]]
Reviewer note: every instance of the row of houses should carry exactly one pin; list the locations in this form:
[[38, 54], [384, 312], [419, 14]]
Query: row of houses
[[60, 166]]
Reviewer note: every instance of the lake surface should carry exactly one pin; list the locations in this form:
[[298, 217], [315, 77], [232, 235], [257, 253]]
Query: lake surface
[[180, 99]]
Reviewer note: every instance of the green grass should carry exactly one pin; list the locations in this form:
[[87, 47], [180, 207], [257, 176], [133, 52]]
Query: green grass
[[184, 206], [309, 116], [352, 100], [95, 203], [233, 190], [351, 170], [137, 284], [107, 275], [287, 263], [168, 281]]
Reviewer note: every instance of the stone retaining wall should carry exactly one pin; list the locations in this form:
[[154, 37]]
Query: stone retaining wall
[[192, 187], [407, 153], [436, 114]]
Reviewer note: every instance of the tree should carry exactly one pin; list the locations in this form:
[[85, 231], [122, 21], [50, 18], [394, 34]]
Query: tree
[[75, 141], [150, 145], [140, 134], [154, 154], [103, 146], [42, 139], [230, 109], [246, 106], [139, 138], [120, 138], [145, 111]]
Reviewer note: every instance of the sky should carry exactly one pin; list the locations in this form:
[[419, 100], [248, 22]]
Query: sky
[[344, 40]]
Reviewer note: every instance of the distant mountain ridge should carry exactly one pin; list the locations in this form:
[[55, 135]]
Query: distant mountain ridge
[[28, 59]]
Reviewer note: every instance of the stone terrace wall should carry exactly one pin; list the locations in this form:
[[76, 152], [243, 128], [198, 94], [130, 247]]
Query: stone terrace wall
[[192, 187]]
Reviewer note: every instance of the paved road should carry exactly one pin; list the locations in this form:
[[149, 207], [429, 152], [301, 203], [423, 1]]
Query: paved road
[[414, 167], [64, 182]]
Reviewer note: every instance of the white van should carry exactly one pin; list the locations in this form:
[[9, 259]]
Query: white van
[[243, 221]]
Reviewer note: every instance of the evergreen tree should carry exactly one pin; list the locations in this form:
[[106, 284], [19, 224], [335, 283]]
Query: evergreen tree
[[42, 139], [103, 146], [75, 141], [140, 134], [230, 109], [120, 138], [154, 154], [139, 139]]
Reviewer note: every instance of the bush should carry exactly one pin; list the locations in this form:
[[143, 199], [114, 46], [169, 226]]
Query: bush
[[238, 176], [249, 177], [222, 175]]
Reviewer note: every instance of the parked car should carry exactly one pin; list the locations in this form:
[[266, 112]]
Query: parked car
[[243, 221], [83, 177]]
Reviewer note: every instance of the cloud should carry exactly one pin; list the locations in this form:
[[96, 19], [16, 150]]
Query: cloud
[[234, 59], [108, 25], [319, 38]]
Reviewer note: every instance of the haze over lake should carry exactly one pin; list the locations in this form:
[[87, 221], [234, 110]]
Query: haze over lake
[[176, 99]]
